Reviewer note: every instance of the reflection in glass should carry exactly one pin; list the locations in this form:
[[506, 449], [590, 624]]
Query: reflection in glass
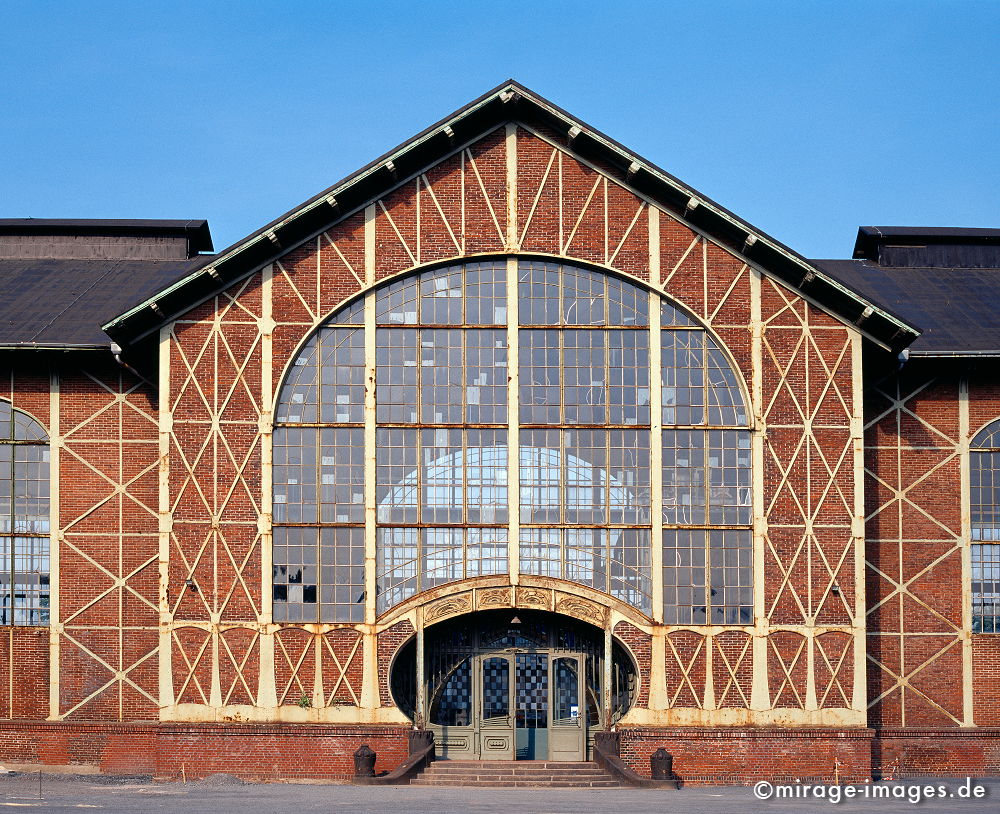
[[441, 451], [984, 481], [24, 519]]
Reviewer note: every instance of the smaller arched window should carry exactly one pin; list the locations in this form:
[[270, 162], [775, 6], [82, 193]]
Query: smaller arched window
[[24, 519], [984, 480]]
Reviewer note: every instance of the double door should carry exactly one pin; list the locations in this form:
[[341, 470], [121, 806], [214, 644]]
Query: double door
[[512, 705]]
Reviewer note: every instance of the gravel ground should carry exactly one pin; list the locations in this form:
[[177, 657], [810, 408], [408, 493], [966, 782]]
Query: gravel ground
[[224, 794]]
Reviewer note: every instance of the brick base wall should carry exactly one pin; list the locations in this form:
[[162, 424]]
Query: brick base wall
[[745, 755], [249, 751], [701, 756], [942, 752]]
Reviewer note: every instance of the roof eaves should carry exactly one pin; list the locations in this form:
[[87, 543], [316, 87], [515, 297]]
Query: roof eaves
[[269, 241], [51, 346]]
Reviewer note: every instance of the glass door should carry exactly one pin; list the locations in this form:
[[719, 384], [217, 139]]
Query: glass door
[[496, 719], [567, 725], [531, 706]]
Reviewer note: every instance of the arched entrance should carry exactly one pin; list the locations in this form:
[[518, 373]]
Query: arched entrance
[[515, 685]]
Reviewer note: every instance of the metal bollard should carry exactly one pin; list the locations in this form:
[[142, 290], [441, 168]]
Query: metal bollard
[[364, 761], [661, 765]]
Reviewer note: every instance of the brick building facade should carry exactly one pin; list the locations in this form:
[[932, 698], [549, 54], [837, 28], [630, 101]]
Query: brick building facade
[[188, 621]]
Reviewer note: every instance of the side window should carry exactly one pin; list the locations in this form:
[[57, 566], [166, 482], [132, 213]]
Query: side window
[[24, 519], [984, 464]]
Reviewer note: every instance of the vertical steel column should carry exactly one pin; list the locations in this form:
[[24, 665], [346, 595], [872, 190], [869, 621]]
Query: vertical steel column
[[606, 678], [859, 700], [420, 713], [166, 428], [760, 694], [370, 696], [55, 625], [267, 695], [964, 462], [513, 428]]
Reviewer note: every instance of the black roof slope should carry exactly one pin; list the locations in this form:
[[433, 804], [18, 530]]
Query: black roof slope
[[958, 309], [62, 303]]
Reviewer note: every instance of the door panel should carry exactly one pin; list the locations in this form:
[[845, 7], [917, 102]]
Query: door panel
[[496, 719], [451, 712], [567, 730], [531, 706]]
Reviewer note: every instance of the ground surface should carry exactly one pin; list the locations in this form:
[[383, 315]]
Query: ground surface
[[226, 795]]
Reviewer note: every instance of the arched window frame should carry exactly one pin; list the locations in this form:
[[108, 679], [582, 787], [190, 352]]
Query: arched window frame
[[984, 545], [725, 544], [24, 519]]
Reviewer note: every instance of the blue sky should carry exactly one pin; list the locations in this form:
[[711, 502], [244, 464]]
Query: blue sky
[[805, 118]]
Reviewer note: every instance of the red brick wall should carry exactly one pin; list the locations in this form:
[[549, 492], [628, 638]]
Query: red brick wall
[[640, 645], [946, 753], [741, 756], [252, 752], [914, 546], [24, 672], [986, 680]]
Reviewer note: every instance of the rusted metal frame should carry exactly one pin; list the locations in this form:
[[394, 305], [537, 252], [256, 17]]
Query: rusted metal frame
[[859, 688], [732, 670], [964, 435], [786, 670], [165, 521], [513, 424], [266, 690], [760, 694], [55, 534], [903, 682], [240, 665], [656, 442], [117, 674], [370, 429]]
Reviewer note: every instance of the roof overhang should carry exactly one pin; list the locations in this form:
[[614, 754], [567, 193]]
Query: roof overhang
[[507, 102]]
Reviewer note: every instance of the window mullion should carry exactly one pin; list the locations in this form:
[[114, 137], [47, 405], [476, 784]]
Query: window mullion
[[513, 425], [656, 455]]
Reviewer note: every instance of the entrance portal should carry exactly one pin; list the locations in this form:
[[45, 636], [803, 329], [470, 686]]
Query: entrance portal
[[514, 685]]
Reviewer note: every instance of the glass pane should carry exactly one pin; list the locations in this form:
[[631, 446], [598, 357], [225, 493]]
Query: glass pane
[[496, 688], [452, 704], [566, 703], [532, 701], [985, 588]]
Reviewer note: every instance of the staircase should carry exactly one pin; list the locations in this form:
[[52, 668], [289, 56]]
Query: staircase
[[516, 774]]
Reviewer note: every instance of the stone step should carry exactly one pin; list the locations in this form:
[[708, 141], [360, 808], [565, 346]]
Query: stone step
[[516, 774], [588, 776], [512, 782], [510, 770], [521, 764]]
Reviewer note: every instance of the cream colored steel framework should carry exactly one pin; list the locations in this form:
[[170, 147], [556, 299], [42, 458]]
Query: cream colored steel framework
[[107, 648], [909, 682], [770, 341]]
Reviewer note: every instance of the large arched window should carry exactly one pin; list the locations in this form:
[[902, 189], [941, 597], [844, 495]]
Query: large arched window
[[984, 480], [24, 519], [446, 406]]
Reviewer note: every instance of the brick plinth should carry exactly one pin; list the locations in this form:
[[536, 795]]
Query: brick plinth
[[249, 751], [945, 753], [745, 755]]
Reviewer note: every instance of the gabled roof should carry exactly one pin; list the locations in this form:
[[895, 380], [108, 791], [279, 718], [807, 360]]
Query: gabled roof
[[507, 102]]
